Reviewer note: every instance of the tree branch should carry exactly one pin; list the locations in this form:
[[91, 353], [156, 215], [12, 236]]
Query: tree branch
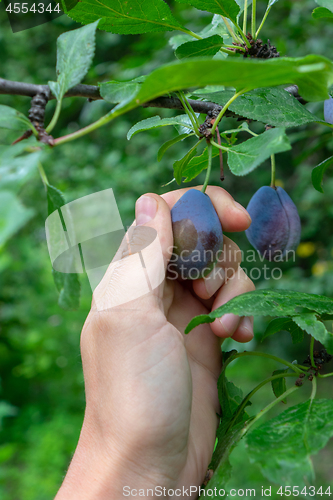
[[91, 92]]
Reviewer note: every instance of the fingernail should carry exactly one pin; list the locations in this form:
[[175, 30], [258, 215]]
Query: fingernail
[[229, 322], [247, 325], [214, 280], [240, 207], [145, 210]]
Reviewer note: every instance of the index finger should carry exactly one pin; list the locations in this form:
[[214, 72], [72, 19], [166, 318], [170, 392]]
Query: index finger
[[232, 215]]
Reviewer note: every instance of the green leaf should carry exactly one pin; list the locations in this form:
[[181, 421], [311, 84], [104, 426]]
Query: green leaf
[[170, 143], [282, 447], [55, 199], [75, 52], [197, 164], [15, 170], [327, 4], [267, 303], [241, 4], [284, 323], [245, 157], [226, 8], [271, 2], [228, 432], [318, 174], [205, 47], [313, 75], [13, 119], [279, 384], [272, 106], [176, 40], [320, 12], [230, 396], [130, 18], [13, 215], [157, 121], [179, 165], [67, 284], [310, 323], [116, 92], [215, 27]]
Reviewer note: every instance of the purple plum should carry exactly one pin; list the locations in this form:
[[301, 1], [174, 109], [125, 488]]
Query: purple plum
[[198, 236], [275, 230], [328, 110]]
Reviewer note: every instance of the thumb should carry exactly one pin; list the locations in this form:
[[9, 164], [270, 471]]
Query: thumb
[[138, 268]]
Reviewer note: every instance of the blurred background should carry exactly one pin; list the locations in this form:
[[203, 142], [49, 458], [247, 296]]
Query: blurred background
[[41, 381]]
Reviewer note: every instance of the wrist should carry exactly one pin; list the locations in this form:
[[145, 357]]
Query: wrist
[[95, 474]]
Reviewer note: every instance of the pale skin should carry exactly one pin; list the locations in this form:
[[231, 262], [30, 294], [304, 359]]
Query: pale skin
[[151, 391]]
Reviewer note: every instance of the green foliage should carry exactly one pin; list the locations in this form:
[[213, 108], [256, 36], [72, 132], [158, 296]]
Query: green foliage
[[116, 92], [75, 51], [279, 384], [180, 165], [312, 74], [196, 165], [318, 174], [229, 430], [55, 199], [170, 143], [273, 106], [140, 17], [13, 119], [310, 323], [283, 446], [42, 397], [13, 215], [268, 303], [16, 168], [321, 12], [278, 303], [227, 8], [68, 284], [200, 48], [245, 157], [327, 4], [278, 324], [156, 121]]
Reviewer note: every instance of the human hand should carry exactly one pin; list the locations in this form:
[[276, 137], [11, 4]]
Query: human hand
[[151, 391]]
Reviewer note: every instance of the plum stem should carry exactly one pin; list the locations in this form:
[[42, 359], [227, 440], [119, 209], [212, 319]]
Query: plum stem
[[55, 117], [253, 20], [245, 16], [247, 398], [209, 167], [224, 109], [43, 174], [189, 111], [268, 407], [233, 35], [217, 145], [264, 355], [263, 21], [273, 171]]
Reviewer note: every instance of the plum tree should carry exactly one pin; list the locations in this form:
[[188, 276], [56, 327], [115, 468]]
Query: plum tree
[[276, 227], [198, 236]]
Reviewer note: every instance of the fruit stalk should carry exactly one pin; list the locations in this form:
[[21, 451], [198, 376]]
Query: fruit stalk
[[209, 167]]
